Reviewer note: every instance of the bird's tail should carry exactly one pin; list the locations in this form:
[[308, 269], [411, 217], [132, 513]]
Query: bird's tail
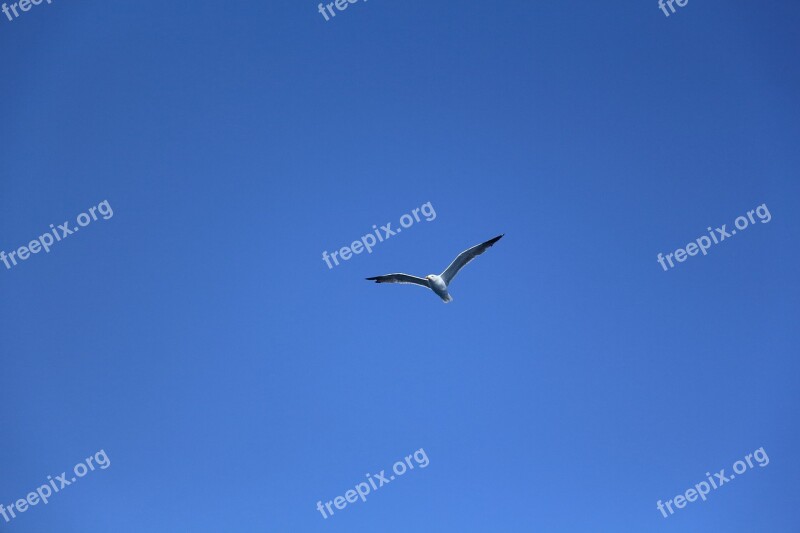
[[447, 298]]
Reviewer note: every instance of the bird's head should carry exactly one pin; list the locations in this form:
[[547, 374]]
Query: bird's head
[[429, 277]]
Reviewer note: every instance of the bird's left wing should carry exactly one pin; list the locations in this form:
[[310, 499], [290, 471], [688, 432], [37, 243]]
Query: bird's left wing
[[401, 278], [467, 256]]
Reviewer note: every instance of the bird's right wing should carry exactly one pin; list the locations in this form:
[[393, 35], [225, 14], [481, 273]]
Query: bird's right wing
[[401, 278], [465, 257]]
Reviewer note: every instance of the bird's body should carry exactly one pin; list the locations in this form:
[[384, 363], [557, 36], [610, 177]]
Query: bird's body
[[439, 284]]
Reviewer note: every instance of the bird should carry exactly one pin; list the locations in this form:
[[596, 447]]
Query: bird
[[439, 284]]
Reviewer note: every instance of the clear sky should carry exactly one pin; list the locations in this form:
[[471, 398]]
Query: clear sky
[[234, 380]]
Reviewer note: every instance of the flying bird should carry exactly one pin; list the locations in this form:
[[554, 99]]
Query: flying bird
[[439, 284]]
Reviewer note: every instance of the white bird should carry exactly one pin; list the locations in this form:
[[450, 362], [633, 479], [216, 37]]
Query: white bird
[[439, 284]]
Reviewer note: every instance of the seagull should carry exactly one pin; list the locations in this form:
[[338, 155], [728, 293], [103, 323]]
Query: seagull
[[439, 284]]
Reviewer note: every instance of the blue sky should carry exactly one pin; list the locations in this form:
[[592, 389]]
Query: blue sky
[[234, 380]]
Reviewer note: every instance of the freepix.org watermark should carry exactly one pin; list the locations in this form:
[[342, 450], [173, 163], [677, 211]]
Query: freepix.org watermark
[[368, 241], [702, 244], [57, 234], [375, 482], [703, 488], [341, 5], [662, 5], [23, 5], [53, 486]]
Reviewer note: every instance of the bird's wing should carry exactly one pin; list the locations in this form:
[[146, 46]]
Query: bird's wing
[[401, 278], [465, 257]]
